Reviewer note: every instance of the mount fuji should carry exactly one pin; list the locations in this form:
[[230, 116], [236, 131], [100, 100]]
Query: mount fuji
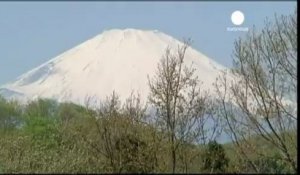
[[116, 60]]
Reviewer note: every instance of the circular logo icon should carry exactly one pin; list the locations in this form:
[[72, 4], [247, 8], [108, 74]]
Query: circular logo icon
[[237, 18]]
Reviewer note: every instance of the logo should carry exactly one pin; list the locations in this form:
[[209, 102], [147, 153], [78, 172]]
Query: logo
[[237, 19]]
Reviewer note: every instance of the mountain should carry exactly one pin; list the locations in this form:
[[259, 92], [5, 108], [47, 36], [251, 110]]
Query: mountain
[[116, 60]]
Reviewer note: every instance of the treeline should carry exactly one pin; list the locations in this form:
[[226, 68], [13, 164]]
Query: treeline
[[46, 137], [256, 110], [49, 137]]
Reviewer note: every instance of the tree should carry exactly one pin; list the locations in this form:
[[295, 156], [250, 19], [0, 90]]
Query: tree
[[175, 94], [215, 159], [263, 92]]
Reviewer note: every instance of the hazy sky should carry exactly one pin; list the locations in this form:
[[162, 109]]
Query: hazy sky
[[34, 32]]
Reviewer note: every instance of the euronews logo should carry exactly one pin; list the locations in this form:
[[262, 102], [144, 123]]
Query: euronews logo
[[237, 19]]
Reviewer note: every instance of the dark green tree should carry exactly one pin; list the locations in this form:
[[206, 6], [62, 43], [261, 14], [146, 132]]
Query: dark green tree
[[215, 159], [133, 155]]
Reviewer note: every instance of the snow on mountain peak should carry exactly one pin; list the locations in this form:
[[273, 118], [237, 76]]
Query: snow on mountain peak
[[117, 60]]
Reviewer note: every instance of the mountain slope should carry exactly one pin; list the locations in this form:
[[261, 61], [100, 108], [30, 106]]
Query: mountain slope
[[116, 60]]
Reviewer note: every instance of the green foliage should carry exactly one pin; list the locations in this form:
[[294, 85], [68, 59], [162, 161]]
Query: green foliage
[[40, 120], [41, 108], [67, 111], [9, 114], [215, 159], [43, 143]]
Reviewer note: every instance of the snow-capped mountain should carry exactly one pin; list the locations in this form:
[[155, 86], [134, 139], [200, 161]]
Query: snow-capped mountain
[[116, 60]]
